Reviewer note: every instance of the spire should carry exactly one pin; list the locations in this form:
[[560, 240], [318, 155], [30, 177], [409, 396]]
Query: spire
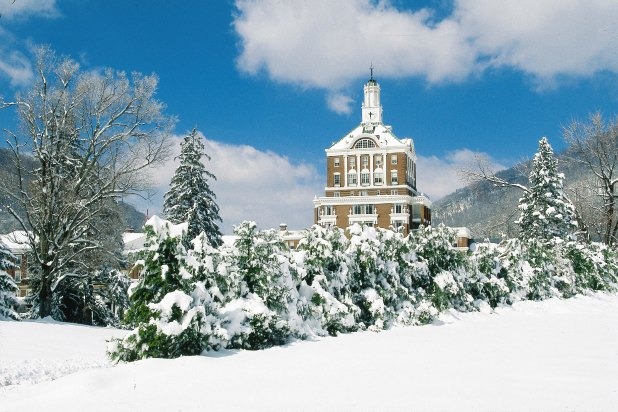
[[372, 108]]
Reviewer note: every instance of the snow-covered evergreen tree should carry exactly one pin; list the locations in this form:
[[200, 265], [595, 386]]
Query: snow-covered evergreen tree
[[190, 198], [264, 312], [324, 290], [8, 288], [546, 212], [487, 279], [168, 321]]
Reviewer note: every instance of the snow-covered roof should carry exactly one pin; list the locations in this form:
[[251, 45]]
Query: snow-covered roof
[[133, 240], [381, 134], [16, 242]]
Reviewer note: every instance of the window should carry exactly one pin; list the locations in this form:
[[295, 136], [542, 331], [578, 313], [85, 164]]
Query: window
[[352, 178], [394, 192], [398, 208], [378, 160], [364, 144], [336, 194], [365, 160], [365, 177], [394, 179], [17, 269], [363, 210], [352, 162], [337, 179], [394, 159], [378, 177], [336, 162], [329, 210]]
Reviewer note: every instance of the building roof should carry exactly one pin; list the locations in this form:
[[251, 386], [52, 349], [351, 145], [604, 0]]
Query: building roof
[[380, 133]]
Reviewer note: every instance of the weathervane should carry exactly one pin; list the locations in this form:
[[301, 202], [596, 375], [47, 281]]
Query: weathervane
[[371, 71]]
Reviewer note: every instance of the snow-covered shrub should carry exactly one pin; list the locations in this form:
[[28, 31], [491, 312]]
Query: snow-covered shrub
[[434, 245], [250, 324], [116, 288], [371, 281], [168, 321], [446, 266], [594, 265], [486, 281], [325, 300], [260, 262], [514, 269], [542, 258], [425, 312], [8, 288]]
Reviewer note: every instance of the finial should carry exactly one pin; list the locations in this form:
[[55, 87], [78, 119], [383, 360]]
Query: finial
[[371, 71]]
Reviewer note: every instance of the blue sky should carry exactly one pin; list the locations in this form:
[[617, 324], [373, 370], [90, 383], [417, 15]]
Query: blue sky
[[271, 84]]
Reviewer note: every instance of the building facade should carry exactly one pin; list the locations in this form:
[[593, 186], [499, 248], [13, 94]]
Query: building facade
[[371, 176]]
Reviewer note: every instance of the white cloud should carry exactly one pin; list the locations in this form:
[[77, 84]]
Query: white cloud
[[544, 38], [251, 185], [437, 177], [326, 44], [14, 65], [11, 9], [340, 103]]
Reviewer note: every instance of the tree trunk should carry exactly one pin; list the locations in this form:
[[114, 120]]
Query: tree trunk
[[45, 293]]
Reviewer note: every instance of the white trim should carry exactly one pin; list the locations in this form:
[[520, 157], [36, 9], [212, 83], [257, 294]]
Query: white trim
[[376, 199]]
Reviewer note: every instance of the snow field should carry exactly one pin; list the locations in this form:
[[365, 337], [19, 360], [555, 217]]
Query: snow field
[[37, 351], [553, 355]]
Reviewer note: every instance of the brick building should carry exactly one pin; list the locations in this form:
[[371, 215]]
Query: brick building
[[371, 176]]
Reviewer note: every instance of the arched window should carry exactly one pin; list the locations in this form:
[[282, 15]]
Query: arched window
[[364, 144]]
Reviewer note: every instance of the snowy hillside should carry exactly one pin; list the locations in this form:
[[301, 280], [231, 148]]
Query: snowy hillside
[[550, 355], [490, 211]]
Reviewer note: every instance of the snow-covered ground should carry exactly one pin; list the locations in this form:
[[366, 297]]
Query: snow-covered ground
[[557, 355]]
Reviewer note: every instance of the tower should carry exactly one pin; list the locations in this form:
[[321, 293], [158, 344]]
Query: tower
[[371, 175]]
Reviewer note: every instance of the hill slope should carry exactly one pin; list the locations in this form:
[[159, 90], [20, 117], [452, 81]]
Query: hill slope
[[491, 211]]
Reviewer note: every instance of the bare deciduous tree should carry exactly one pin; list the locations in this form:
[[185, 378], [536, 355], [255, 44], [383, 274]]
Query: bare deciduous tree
[[595, 145], [93, 136]]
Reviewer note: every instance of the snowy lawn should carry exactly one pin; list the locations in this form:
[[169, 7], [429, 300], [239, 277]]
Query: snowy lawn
[[552, 355]]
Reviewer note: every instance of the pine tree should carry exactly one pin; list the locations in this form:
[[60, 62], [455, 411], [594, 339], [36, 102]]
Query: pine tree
[[546, 212], [8, 301], [168, 323], [190, 198]]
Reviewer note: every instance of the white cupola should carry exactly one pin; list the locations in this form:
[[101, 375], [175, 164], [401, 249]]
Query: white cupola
[[372, 108]]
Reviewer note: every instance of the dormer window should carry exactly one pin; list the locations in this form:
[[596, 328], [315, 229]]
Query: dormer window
[[364, 144]]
